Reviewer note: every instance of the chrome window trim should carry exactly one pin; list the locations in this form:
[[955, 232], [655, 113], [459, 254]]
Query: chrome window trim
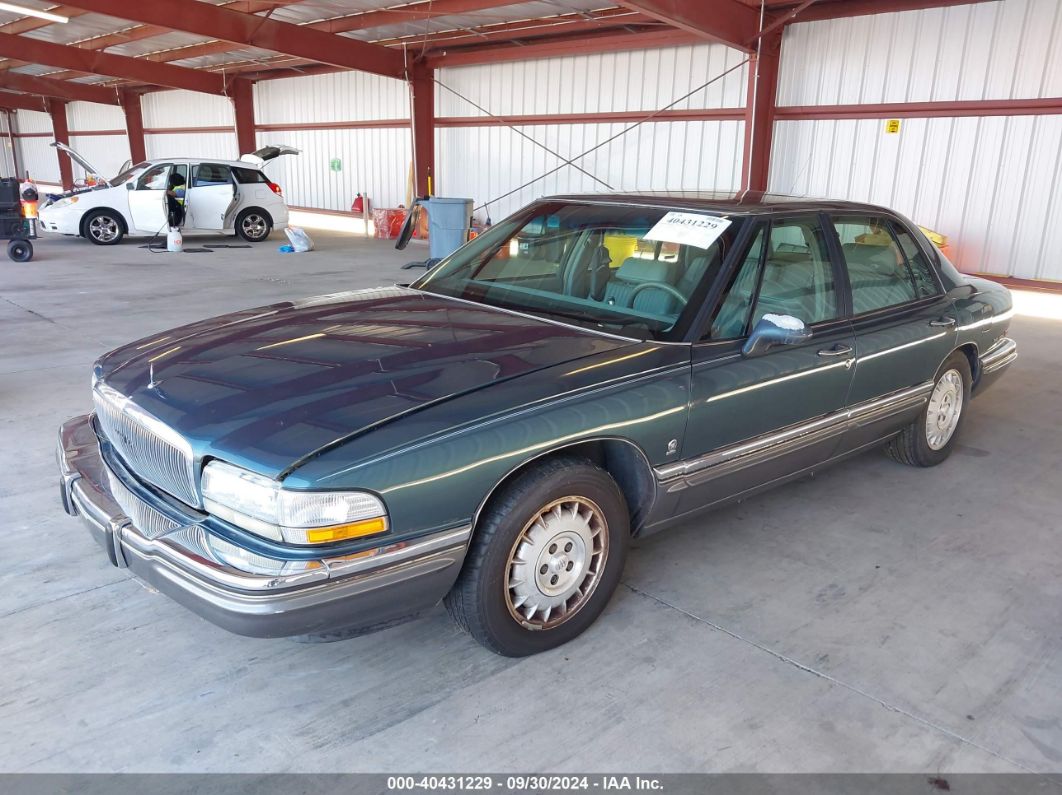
[[751, 451]]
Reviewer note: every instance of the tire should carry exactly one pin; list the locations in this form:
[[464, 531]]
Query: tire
[[20, 250], [254, 224], [103, 227], [930, 439], [569, 516]]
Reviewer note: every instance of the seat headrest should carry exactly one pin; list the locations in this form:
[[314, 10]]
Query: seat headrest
[[638, 270]]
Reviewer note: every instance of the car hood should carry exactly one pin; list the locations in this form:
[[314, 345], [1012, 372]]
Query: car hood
[[269, 388]]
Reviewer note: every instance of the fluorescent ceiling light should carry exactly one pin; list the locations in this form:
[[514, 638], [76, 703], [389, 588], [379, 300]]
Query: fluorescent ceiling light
[[33, 12]]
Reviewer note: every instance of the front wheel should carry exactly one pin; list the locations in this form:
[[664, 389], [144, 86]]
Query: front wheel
[[103, 227], [545, 559], [254, 225], [931, 437]]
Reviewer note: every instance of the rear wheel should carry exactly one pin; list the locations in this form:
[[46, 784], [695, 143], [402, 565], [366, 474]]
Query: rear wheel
[[103, 227], [254, 225], [545, 559], [930, 438]]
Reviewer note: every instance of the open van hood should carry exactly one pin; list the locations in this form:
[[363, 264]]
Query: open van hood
[[260, 156], [89, 168]]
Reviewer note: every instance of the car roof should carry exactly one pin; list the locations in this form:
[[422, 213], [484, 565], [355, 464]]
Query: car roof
[[741, 203], [155, 161]]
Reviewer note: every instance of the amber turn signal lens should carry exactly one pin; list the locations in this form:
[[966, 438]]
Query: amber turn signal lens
[[341, 532]]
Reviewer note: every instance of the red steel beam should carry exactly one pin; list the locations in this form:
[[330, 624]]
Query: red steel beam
[[422, 84], [243, 104], [728, 21], [22, 102], [57, 110], [581, 45], [760, 113], [1048, 106], [134, 126], [411, 12], [27, 24], [102, 63], [57, 89], [249, 30]]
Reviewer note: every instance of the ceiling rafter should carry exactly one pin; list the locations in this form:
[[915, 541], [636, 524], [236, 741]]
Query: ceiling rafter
[[728, 21], [58, 89], [254, 31]]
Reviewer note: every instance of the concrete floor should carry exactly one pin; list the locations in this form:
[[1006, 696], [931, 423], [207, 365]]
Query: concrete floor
[[876, 618]]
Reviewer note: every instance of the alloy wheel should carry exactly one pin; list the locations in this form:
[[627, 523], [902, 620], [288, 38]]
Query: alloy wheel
[[254, 226], [103, 228]]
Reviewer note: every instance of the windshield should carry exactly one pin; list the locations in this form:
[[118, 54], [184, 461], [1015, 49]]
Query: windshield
[[129, 173], [636, 271]]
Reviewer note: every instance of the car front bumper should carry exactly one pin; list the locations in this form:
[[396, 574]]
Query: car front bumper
[[343, 595], [59, 222]]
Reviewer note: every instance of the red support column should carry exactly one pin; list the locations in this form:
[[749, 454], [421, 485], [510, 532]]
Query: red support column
[[422, 84], [242, 93], [57, 110], [134, 126], [759, 113]]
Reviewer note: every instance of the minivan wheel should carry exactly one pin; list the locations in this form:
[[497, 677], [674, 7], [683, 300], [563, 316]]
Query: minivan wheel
[[103, 227], [254, 225], [544, 560], [931, 437]]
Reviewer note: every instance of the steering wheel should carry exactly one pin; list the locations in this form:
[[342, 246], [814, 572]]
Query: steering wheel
[[667, 288]]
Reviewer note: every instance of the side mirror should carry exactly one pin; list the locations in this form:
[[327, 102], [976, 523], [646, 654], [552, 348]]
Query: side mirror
[[774, 330], [130, 186]]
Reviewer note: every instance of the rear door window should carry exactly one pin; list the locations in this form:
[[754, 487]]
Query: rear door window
[[883, 270], [249, 176], [206, 175]]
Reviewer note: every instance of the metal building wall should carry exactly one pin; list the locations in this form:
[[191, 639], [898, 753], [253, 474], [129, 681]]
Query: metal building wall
[[34, 153], [189, 124], [335, 117], [484, 162], [988, 182], [107, 147]]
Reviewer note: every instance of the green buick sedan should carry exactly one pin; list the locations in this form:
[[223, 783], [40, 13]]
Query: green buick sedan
[[590, 370]]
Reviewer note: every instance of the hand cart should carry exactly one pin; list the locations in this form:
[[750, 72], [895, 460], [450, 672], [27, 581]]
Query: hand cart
[[17, 229]]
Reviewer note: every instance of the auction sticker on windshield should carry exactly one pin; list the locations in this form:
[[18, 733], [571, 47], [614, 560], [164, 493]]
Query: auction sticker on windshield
[[688, 229]]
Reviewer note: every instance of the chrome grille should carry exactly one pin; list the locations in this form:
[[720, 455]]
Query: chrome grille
[[146, 519], [150, 449]]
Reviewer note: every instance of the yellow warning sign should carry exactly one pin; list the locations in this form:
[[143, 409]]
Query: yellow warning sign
[[892, 126]]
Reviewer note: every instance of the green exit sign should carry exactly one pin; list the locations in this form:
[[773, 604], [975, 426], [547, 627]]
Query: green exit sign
[[335, 164]]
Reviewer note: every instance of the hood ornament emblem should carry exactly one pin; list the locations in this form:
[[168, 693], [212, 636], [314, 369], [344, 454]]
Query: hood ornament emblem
[[152, 383]]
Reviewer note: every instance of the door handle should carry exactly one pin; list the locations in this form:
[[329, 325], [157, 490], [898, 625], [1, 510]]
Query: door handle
[[836, 350], [943, 321]]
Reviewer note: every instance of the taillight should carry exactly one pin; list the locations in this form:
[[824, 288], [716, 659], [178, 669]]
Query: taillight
[[276, 189]]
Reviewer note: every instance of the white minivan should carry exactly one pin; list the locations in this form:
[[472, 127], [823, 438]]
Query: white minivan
[[219, 196]]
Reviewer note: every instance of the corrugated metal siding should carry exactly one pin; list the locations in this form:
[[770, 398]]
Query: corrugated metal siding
[[108, 153], [217, 145], [374, 161], [1003, 50], [168, 109], [39, 159], [989, 184], [483, 163], [94, 116], [32, 121], [343, 96], [641, 80]]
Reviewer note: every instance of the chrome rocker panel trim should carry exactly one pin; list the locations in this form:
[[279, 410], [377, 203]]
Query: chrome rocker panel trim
[[693, 471], [348, 594]]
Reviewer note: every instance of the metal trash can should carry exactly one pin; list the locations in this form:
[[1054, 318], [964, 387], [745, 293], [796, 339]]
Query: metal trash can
[[448, 221]]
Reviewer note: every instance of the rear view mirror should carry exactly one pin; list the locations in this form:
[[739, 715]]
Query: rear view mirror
[[772, 330]]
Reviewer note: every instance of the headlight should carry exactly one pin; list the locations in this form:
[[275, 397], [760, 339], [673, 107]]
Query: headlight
[[65, 202], [264, 507]]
